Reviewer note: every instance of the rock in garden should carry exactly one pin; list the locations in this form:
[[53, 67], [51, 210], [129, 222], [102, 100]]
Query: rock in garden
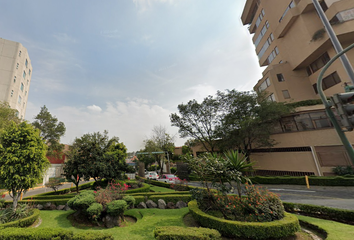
[[67, 208], [161, 204], [151, 204], [170, 205], [111, 222], [53, 207], [47, 206], [181, 204], [141, 205], [39, 206], [60, 207]]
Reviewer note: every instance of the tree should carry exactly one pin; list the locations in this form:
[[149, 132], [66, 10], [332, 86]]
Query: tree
[[199, 121], [7, 115], [22, 159], [247, 120], [96, 156], [160, 141], [54, 183], [51, 131]]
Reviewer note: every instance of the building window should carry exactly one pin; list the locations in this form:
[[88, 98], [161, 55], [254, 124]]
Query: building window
[[25, 93], [12, 93], [264, 85], [29, 72], [19, 99], [19, 53], [22, 86], [24, 104], [280, 77], [328, 82], [286, 94], [318, 63], [262, 33], [14, 79], [17, 65], [271, 97], [26, 63], [272, 55], [266, 45], [24, 74], [290, 6], [27, 81], [259, 19]]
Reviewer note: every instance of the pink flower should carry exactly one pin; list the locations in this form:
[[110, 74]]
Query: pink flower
[[94, 191]]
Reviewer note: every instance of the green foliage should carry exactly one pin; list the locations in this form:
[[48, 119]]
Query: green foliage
[[173, 170], [339, 215], [285, 227], [310, 102], [181, 233], [82, 201], [22, 159], [153, 167], [95, 210], [51, 234], [130, 201], [25, 218], [113, 191], [54, 183], [51, 131], [171, 198], [7, 115], [314, 180], [343, 170], [96, 156], [117, 208]]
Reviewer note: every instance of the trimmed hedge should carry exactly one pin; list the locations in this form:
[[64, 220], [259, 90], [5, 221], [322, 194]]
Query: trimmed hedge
[[56, 202], [171, 198], [145, 188], [50, 233], [313, 180], [285, 227], [182, 233], [339, 215], [24, 222], [67, 190], [46, 197]]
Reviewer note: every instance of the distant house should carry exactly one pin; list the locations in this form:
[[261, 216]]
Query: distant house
[[57, 165]]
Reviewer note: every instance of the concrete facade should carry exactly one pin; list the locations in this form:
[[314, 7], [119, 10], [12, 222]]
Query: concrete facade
[[291, 43], [15, 75]]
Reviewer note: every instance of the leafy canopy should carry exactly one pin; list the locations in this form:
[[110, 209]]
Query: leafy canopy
[[22, 159], [51, 131], [7, 115]]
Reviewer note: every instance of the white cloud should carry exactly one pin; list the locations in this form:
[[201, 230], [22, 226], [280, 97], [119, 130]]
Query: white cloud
[[94, 108]]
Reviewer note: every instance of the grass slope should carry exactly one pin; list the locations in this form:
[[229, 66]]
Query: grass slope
[[141, 230], [154, 188], [335, 230]]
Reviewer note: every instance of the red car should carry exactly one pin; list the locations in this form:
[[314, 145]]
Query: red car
[[169, 178]]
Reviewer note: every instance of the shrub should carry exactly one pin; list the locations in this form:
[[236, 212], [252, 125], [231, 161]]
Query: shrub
[[82, 201], [113, 191], [181, 233], [285, 227], [343, 170], [95, 210], [24, 222], [54, 183], [130, 200], [117, 208], [173, 170]]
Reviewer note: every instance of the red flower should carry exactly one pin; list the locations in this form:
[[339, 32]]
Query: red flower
[[3, 196]]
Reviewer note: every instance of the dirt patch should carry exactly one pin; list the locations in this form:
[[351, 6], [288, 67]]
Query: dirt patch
[[86, 223]]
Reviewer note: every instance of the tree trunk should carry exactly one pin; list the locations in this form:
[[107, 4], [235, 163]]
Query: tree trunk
[[15, 198]]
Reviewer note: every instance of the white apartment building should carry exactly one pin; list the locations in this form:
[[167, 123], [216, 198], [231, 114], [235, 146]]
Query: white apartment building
[[15, 75]]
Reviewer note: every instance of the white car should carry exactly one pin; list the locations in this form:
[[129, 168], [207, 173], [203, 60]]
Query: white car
[[151, 175]]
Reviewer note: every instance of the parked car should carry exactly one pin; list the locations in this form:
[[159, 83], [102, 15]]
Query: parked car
[[151, 175], [169, 178]]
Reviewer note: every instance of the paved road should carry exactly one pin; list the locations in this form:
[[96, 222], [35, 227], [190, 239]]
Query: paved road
[[336, 197], [42, 190]]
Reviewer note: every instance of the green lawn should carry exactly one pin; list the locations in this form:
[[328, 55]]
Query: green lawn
[[335, 230], [141, 230], [160, 189]]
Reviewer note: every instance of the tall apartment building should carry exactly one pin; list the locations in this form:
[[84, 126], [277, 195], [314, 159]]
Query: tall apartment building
[[291, 42], [15, 75]]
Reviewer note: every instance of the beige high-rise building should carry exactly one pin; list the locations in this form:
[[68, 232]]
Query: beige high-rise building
[[15, 75], [291, 42]]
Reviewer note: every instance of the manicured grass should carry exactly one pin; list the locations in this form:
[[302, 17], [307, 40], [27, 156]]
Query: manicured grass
[[160, 189], [141, 230], [335, 230]]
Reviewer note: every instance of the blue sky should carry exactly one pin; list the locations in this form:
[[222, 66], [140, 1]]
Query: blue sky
[[125, 65]]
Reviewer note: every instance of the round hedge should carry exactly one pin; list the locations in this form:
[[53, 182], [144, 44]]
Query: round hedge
[[285, 227], [24, 222]]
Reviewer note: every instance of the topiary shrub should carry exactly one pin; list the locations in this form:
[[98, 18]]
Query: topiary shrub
[[82, 201], [182, 233], [130, 201], [95, 210], [117, 208]]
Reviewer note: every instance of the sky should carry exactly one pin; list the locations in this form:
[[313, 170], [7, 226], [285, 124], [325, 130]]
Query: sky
[[125, 65]]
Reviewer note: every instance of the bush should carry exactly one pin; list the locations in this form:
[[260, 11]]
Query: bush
[[182, 233], [343, 170], [285, 227], [130, 201], [117, 208], [171, 198], [24, 222], [95, 210], [173, 170], [68, 190], [50, 234], [82, 201]]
